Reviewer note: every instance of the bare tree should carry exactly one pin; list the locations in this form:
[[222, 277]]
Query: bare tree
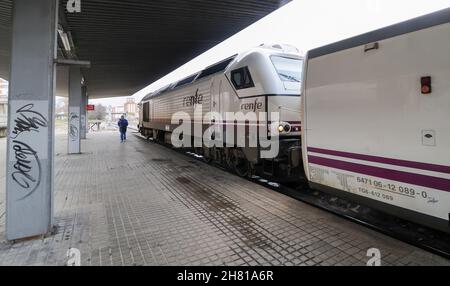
[[62, 104], [99, 113]]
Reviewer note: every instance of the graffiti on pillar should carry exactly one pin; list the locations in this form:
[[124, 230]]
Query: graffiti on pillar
[[73, 126], [28, 120], [27, 168], [26, 165]]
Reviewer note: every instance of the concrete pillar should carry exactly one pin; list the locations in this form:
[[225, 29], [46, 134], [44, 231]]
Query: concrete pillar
[[87, 115], [83, 112], [74, 142], [29, 182]]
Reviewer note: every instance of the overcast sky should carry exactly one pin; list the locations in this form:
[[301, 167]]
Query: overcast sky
[[305, 24]]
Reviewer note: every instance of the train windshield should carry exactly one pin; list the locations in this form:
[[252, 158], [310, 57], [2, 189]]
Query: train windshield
[[289, 69]]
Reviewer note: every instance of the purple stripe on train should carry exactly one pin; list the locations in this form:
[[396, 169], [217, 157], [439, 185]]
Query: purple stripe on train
[[394, 175], [396, 162]]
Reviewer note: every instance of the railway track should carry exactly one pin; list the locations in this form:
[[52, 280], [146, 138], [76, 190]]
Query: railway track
[[422, 237]]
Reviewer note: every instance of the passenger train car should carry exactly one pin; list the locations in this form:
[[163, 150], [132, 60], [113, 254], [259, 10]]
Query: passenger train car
[[265, 79], [376, 118]]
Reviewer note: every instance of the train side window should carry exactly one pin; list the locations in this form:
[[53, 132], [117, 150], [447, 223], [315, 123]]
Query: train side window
[[146, 112], [241, 78]]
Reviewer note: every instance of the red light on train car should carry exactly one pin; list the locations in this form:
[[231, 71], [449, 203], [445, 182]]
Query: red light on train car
[[426, 84], [90, 107]]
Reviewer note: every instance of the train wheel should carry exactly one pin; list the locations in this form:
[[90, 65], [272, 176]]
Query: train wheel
[[198, 151], [207, 155], [229, 159], [239, 163], [241, 167]]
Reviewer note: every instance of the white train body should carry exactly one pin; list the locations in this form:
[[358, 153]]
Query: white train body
[[373, 129], [264, 79]]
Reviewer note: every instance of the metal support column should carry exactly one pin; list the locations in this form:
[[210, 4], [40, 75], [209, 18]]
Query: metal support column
[[83, 112], [74, 138], [29, 182]]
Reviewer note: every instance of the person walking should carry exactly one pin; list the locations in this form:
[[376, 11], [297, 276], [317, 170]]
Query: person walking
[[123, 124]]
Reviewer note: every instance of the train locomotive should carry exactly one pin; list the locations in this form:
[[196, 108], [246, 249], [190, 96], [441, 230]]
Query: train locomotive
[[265, 79]]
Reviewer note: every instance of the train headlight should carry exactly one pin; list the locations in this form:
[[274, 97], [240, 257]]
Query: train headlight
[[284, 127]]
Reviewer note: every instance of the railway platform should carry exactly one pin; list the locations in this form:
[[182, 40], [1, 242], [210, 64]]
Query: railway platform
[[141, 203]]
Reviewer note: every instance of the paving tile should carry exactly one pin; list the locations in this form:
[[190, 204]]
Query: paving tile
[[140, 203]]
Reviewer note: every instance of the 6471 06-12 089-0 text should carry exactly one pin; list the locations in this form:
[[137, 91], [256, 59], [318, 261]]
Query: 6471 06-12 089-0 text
[[225, 275]]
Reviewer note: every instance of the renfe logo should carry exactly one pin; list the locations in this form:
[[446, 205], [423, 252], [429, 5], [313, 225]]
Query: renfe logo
[[253, 106], [193, 100]]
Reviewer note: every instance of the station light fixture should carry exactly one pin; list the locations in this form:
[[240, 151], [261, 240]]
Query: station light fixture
[[64, 39]]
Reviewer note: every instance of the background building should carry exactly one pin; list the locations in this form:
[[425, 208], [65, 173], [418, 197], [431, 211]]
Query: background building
[[130, 106], [3, 106], [118, 110]]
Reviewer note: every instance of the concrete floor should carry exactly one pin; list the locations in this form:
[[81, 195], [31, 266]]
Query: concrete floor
[[139, 203]]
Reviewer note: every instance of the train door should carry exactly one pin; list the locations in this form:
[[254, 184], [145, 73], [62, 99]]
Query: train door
[[216, 86], [151, 110]]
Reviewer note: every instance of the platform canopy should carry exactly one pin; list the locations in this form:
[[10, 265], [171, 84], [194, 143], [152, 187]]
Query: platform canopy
[[132, 43]]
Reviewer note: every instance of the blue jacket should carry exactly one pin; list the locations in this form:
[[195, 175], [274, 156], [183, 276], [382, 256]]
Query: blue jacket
[[123, 123]]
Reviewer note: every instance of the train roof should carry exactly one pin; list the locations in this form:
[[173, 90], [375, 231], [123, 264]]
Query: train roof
[[219, 67], [209, 70], [409, 26]]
